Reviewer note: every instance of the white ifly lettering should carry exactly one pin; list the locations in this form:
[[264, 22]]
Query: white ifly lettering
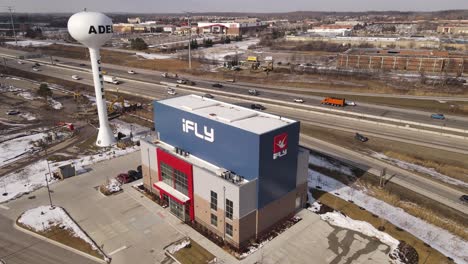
[[205, 134]]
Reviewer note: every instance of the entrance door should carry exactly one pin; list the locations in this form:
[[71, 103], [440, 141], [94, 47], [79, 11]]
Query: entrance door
[[177, 209]]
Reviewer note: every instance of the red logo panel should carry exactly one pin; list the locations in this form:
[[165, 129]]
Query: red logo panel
[[280, 145]]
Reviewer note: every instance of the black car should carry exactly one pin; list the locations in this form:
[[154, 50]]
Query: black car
[[36, 64], [257, 106], [134, 174], [361, 137], [139, 169], [464, 198], [217, 85], [82, 64], [208, 96]]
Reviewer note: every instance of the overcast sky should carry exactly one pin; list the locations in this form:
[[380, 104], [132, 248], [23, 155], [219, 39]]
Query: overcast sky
[[165, 6]]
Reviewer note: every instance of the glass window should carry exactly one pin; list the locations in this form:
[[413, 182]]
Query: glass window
[[166, 174], [229, 229], [214, 220], [180, 182], [229, 208], [214, 200]]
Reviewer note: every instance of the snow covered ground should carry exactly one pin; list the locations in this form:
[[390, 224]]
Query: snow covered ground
[[125, 128], [28, 116], [178, 246], [42, 218], [219, 51], [32, 177], [340, 220], [11, 150], [54, 104], [440, 239], [27, 43], [421, 169], [155, 56]]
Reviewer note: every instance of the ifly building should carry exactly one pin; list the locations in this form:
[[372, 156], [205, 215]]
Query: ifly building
[[236, 171]]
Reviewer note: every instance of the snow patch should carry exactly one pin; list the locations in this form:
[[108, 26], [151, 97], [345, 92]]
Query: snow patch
[[27, 95], [12, 150], [322, 162], [420, 169], [27, 116], [154, 56], [27, 43], [178, 246], [54, 104]]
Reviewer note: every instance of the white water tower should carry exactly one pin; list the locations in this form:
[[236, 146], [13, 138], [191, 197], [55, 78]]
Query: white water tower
[[93, 29]]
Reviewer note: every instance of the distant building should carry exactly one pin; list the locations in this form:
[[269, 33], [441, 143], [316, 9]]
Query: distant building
[[20, 28], [453, 29], [135, 20], [332, 30], [234, 28]]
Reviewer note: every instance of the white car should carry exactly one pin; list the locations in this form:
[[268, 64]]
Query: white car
[[171, 92], [181, 81], [131, 72], [35, 69], [75, 77], [298, 100], [351, 103], [20, 62]]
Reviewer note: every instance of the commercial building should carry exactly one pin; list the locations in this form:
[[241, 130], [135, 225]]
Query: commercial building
[[236, 171], [453, 29], [234, 28], [332, 30]]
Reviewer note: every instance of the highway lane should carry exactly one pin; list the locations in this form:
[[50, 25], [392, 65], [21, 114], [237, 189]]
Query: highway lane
[[17, 247], [270, 92], [159, 91]]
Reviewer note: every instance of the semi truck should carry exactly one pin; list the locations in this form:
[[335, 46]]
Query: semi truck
[[110, 79], [334, 101]]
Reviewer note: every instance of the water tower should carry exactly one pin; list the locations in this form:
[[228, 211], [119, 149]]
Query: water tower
[[93, 29]]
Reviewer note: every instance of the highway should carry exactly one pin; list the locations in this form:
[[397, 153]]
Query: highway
[[152, 90]]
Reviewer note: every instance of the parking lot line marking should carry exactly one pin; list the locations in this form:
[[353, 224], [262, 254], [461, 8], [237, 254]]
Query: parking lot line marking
[[117, 250], [4, 207]]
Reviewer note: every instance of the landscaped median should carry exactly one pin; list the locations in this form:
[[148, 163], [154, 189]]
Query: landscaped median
[[56, 226]]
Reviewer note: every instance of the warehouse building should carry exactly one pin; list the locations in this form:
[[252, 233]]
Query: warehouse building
[[234, 28], [236, 171]]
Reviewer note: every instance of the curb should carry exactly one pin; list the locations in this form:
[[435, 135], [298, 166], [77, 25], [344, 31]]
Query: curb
[[17, 227]]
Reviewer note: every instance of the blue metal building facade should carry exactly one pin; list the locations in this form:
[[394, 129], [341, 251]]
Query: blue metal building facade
[[247, 154]]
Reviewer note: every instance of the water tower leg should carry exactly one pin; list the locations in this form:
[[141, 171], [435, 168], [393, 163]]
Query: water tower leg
[[105, 136]]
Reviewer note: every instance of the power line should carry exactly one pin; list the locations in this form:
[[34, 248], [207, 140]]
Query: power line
[[10, 8]]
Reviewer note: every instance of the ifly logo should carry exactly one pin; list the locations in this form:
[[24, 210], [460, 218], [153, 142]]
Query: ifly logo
[[205, 133], [100, 29], [280, 145]]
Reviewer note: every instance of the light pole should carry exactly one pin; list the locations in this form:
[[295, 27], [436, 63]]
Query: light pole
[[47, 181], [12, 24], [224, 201], [190, 43], [149, 171]]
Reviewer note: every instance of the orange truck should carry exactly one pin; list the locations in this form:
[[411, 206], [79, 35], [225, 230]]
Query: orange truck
[[334, 101]]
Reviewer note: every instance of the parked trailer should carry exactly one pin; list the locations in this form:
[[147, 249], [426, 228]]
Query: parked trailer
[[334, 101]]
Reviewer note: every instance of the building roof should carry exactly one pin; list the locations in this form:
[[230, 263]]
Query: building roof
[[237, 116]]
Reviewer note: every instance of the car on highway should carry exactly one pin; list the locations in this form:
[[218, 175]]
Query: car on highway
[[171, 92], [36, 64], [36, 69], [361, 137], [12, 112], [131, 72], [20, 62], [464, 198], [82, 64], [350, 103], [181, 81], [298, 100], [438, 116], [257, 106], [164, 74], [75, 77], [253, 92], [217, 85], [208, 96], [123, 178]]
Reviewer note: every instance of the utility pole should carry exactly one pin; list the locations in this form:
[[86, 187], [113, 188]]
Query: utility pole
[[12, 23], [190, 42], [149, 171], [47, 181]]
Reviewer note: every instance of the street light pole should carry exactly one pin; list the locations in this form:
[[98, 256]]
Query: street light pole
[[12, 24], [190, 42], [47, 182], [149, 171]]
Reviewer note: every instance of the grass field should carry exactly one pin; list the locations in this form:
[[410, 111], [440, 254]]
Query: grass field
[[194, 254]]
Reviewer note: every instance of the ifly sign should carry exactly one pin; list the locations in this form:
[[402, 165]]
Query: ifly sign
[[203, 133], [100, 29]]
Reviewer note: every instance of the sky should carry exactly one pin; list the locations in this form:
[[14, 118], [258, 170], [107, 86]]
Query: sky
[[177, 6]]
